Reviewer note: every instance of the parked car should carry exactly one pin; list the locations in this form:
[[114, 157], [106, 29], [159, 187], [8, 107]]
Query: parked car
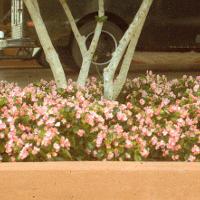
[[172, 25]]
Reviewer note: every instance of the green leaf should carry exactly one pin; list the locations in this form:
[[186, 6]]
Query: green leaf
[[75, 129], [90, 146], [42, 133], [3, 101], [100, 154], [137, 156], [2, 148], [37, 84], [66, 154]]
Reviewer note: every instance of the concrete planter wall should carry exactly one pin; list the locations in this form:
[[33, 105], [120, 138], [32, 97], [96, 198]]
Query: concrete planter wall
[[100, 181]]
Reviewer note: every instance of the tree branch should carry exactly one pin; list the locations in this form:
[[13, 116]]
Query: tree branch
[[79, 38], [50, 52], [109, 72], [87, 54], [35, 3], [98, 28], [121, 78], [87, 59]]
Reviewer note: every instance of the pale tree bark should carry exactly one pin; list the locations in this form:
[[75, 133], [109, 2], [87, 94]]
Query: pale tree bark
[[87, 54], [45, 41], [130, 38], [122, 76]]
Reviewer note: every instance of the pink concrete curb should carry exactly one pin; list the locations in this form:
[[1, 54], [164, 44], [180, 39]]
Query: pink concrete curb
[[100, 181]]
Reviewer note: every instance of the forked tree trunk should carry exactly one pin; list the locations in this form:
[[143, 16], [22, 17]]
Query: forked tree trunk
[[45, 41], [112, 88], [122, 76], [87, 54]]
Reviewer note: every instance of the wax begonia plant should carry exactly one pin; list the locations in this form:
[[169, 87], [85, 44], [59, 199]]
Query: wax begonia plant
[[155, 119]]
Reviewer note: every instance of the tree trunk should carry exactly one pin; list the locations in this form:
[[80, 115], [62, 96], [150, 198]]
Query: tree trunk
[[49, 50], [122, 76], [132, 34], [87, 63], [79, 38], [87, 54]]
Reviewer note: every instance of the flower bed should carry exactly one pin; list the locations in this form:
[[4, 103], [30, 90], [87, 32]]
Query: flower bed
[[154, 119]]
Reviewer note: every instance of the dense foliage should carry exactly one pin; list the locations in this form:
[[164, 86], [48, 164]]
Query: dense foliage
[[154, 119]]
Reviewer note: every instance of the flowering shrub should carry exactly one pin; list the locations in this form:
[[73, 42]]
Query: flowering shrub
[[155, 119]]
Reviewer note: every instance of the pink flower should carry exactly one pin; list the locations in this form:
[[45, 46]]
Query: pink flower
[[23, 153], [191, 158], [181, 122], [40, 122], [118, 128], [128, 156], [196, 150], [89, 119], [35, 150], [146, 132], [129, 105], [108, 113], [165, 102], [134, 128], [189, 121], [198, 78], [2, 126], [165, 132], [154, 140], [144, 153], [144, 93], [142, 102], [196, 88], [153, 86], [94, 153], [173, 108], [110, 156], [175, 157], [99, 140], [13, 159], [10, 119], [149, 122], [57, 124], [9, 147], [54, 154], [160, 144], [50, 121], [149, 112], [165, 153], [64, 142], [128, 144], [49, 156], [69, 88], [171, 143], [56, 146], [81, 132], [121, 117], [46, 141]]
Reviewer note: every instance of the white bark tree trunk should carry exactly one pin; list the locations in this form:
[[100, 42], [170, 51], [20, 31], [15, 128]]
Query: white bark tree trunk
[[79, 38], [87, 54], [122, 76], [49, 50], [132, 34]]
